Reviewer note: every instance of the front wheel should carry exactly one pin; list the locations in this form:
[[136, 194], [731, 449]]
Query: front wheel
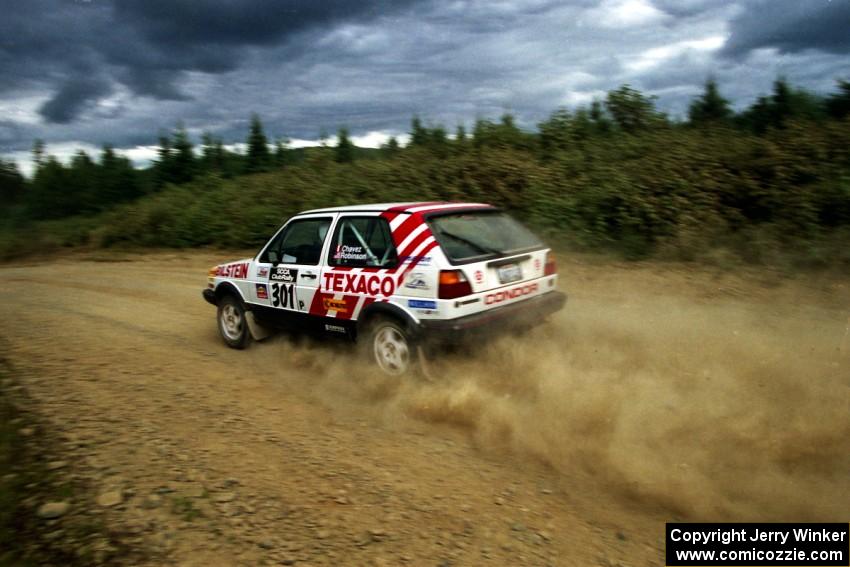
[[390, 347], [232, 323]]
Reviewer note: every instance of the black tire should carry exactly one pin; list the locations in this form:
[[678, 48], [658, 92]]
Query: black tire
[[389, 346], [232, 324]]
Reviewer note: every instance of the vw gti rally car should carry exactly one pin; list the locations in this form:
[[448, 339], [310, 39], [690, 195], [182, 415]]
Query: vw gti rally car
[[391, 277]]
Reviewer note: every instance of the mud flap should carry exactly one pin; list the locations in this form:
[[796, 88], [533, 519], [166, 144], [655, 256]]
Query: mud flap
[[424, 367], [258, 331]]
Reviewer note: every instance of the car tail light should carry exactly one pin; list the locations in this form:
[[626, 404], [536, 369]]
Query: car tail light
[[453, 284], [550, 268]]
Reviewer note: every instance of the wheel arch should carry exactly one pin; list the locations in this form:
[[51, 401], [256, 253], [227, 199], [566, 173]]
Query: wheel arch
[[390, 310], [227, 288]]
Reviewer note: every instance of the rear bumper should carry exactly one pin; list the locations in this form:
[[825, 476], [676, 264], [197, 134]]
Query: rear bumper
[[209, 295], [522, 313]]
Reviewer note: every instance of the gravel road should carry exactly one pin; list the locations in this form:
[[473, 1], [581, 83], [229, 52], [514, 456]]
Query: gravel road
[[659, 394]]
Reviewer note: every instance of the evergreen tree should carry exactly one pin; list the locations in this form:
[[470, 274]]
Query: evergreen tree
[[207, 145], [49, 198], [555, 134], [116, 180], [344, 151], [81, 182], [183, 158], [258, 148], [632, 111], [212, 153], [11, 184], [782, 103], [461, 141], [38, 150], [709, 107], [598, 117], [460, 135], [163, 166], [481, 132], [838, 104], [505, 134], [391, 147], [786, 103], [418, 133], [583, 127], [510, 135], [438, 141], [281, 152]]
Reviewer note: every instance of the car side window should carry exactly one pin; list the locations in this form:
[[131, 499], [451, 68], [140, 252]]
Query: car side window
[[363, 242], [299, 243]]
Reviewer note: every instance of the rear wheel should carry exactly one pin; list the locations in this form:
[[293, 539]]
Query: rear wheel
[[390, 347], [232, 323]]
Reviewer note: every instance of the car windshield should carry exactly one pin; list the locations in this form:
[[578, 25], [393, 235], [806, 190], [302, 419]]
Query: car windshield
[[481, 234]]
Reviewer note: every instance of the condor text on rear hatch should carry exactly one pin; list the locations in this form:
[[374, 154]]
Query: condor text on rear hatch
[[498, 270]]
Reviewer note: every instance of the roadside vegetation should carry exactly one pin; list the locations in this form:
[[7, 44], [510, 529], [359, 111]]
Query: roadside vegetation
[[768, 185]]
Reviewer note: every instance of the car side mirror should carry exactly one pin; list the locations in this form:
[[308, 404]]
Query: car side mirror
[[273, 257]]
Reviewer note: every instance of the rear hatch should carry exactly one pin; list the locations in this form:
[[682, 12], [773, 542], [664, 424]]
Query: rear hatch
[[493, 250]]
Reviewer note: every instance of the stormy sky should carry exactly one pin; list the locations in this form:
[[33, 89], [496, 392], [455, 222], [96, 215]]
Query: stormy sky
[[81, 73]]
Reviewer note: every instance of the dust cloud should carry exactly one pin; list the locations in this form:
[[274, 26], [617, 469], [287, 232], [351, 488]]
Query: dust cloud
[[724, 411]]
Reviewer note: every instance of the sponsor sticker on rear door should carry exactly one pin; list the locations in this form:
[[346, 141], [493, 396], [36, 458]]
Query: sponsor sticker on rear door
[[283, 274]]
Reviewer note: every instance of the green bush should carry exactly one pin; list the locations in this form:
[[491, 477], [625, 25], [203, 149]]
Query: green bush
[[710, 194]]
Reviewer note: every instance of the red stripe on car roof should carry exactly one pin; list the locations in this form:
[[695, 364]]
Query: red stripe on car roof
[[389, 215], [432, 207], [403, 208]]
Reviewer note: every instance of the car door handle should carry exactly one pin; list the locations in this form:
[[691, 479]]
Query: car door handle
[[309, 275]]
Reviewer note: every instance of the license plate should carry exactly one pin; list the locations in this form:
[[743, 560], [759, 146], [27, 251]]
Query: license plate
[[509, 273]]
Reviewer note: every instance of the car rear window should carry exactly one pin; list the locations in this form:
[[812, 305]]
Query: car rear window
[[478, 235]]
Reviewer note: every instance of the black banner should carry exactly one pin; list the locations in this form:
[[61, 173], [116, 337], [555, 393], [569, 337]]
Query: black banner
[[283, 274], [758, 544]]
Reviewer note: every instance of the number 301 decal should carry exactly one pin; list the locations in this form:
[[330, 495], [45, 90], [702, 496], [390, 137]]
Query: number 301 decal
[[283, 295]]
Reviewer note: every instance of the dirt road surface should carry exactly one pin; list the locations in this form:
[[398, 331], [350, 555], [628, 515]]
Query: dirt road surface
[[659, 394]]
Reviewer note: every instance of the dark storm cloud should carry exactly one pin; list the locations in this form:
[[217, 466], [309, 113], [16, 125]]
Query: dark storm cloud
[[237, 22], [791, 26], [122, 71], [685, 8], [43, 40], [147, 45], [72, 97]]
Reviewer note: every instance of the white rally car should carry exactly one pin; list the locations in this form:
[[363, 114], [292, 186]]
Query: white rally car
[[390, 276]]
